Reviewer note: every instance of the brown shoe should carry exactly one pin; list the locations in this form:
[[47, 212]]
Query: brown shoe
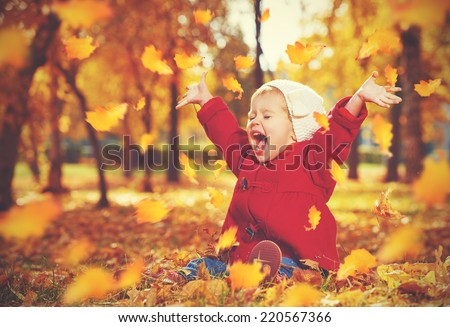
[[269, 254]]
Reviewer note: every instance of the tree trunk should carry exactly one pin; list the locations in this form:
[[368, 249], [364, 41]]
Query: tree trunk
[[147, 185], [412, 142], [259, 76], [127, 173], [174, 155], [353, 159], [33, 160]]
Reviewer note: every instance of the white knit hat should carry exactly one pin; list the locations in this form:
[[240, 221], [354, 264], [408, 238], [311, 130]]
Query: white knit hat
[[302, 102]]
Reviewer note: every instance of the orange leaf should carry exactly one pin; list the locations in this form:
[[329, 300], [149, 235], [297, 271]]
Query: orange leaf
[[187, 168], [103, 119], [152, 59], [85, 13], [203, 16], [382, 134], [245, 275], [151, 211], [358, 261], [79, 48], [383, 207], [314, 218], [227, 239], [233, 85], [322, 120], [132, 274], [184, 61], [337, 173], [426, 89], [242, 62], [391, 75], [301, 295], [406, 242], [265, 15], [222, 166], [216, 196], [13, 47], [141, 104], [301, 53], [382, 40], [76, 252]]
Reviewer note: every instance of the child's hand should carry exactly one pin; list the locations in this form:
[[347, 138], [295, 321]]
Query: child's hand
[[196, 94], [370, 91]]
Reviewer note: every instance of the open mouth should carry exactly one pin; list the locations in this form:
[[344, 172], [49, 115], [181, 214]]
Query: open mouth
[[260, 141]]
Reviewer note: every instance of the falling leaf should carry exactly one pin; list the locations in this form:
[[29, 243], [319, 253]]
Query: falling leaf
[[405, 242], [233, 85], [141, 104], [203, 16], [432, 186], [151, 211], [13, 47], [265, 15], [245, 275], [131, 275], [382, 134], [187, 168], [358, 261], [76, 252], [29, 220], [227, 239], [301, 295], [79, 48], [383, 207], [103, 119], [216, 196], [382, 40], [303, 52], [152, 59], [391, 75], [93, 283], [79, 14], [337, 173], [242, 62], [222, 166], [146, 140], [426, 89], [322, 120], [314, 218], [184, 61]]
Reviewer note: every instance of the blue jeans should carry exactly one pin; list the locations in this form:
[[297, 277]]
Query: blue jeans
[[218, 269]]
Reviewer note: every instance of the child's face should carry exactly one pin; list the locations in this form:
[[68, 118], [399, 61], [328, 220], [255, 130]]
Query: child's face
[[269, 128]]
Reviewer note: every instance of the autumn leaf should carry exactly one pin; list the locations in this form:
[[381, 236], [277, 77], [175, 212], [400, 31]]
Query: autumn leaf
[[76, 252], [405, 242], [383, 207], [222, 166], [243, 62], [82, 14], [245, 275], [13, 47], [265, 15], [141, 104], [184, 61], [391, 75], [203, 16], [152, 59], [301, 295], [382, 40], [151, 211], [358, 261], [233, 85], [303, 52], [131, 275], [29, 220], [187, 169], [337, 173], [79, 48], [314, 218], [227, 239], [216, 196], [426, 89], [93, 283], [382, 134], [322, 120], [146, 140], [103, 119]]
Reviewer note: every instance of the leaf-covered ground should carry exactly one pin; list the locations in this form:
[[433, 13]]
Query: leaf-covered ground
[[35, 272]]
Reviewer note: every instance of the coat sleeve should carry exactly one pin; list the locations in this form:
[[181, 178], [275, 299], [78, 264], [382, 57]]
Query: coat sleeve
[[222, 128]]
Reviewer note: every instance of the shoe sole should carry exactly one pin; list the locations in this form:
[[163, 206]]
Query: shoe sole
[[269, 254]]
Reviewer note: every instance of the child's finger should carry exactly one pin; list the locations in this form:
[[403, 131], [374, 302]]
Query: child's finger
[[374, 74], [203, 78], [390, 88]]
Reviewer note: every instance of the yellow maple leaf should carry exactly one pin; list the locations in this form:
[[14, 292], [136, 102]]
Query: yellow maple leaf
[[301, 295], [245, 275], [265, 15], [358, 261], [29, 220], [299, 53], [152, 59], [79, 48], [337, 173], [405, 242], [222, 166], [13, 47], [141, 104], [314, 218], [432, 186], [382, 134], [425, 89], [216, 196], [187, 168], [227, 239], [85, 13], [391, 75], [243, 62], [76, 252], [103, 119], [382, 40], [93, 283], [322, 120], [203, 16], [184, 61], [146, 140], [233, 85], [132, 274], [151, 211]]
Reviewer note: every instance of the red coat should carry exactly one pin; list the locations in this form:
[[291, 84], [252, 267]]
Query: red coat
[[272, 200]]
